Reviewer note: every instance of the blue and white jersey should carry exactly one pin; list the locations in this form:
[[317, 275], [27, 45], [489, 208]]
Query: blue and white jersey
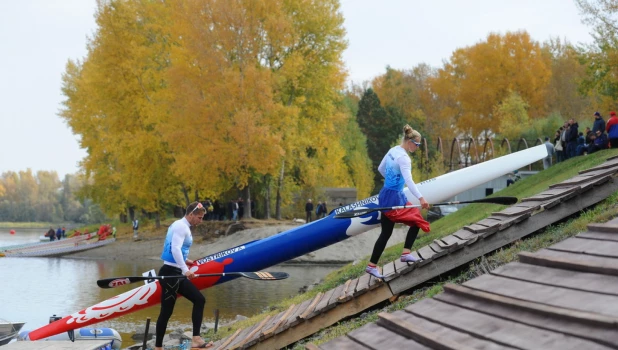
[[177, 243], [396, 167]]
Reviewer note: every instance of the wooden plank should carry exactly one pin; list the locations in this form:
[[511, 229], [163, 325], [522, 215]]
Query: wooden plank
[[584, 281], [363, 285], [389, 271], [534, 205], [241, 336], [605, 227], [581, 324], [609, 164], [577, 180], [490, 222], [466, 234], [454, 240], [342, 343], [570, 261], [439, 251], [599, 236], [309, 312], [412, 331], [403, 267], [507, 222], [551, 194], [294, 318], [426, 253], [442, 332], [349, 293], [254, 333], [549, 295], [376, 337], [513, 211], [313, 325], [479, 230], [585, 246], [312, 346], [497, 330], [229, 339], [323, 304], [271, 331]]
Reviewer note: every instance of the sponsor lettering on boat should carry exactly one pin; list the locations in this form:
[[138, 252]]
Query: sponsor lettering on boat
[[372, 199], [119, 282], [219, 255]]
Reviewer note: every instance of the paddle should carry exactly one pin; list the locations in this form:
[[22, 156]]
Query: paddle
[[262, 276], [364, 211]]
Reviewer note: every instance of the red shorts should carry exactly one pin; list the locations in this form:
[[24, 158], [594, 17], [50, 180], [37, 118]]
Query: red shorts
[[410, 217]]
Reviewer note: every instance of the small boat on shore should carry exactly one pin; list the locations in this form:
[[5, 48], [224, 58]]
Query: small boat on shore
[[82, 334], [9, 331], [58, 248]]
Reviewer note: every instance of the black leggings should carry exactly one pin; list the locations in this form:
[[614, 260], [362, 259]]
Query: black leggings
[[387, 231], [172, 287]]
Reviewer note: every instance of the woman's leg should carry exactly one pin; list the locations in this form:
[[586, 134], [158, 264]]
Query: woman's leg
[[387, 230], [410, 238]]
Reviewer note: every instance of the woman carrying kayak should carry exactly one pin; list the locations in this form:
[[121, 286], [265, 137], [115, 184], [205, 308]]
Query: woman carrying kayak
[[396, 167]]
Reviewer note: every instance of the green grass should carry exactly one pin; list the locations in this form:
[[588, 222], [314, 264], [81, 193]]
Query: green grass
[[441, 228]]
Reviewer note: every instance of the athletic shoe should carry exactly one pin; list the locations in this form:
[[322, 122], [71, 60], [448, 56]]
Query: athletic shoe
[[409, 258], [373, 270]]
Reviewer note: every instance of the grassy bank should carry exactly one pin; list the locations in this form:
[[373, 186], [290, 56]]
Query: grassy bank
[[445, 226]]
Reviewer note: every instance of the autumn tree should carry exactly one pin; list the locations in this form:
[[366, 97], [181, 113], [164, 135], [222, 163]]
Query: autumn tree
[[480, 77]]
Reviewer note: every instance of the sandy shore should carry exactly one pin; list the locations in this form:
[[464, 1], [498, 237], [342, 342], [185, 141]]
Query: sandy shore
[[149, 247]]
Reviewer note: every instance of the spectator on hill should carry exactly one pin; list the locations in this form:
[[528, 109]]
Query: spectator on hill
[[612, 130], [558, 146], [599, 123], [135, 228], [550, 153], [571, 138]]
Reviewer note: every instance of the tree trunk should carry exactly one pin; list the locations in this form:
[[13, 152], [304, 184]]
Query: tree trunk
[[186, 195], [247, 209], [267, 198], [132, 213], [197, 196], [157, 220], [279, 188]]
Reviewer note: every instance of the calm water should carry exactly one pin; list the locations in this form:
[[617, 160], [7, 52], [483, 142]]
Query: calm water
[[33, 289]]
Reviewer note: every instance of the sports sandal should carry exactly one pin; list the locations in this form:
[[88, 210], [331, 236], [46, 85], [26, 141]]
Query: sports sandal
[[373, 270], [408, 258], [203, 346]]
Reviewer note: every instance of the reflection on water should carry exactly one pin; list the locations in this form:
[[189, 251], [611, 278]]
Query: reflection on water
[[33, 289]]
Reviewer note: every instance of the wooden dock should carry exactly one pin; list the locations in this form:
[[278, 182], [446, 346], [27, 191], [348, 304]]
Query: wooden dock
[[501, 228], [562, 297], [57, 345]]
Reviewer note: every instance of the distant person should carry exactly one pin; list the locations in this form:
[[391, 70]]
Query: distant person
[[324, 209], [64, 232], [340, 204], [318, 210], [135, 228], [176, 262], [599, 123], [612, 130], [396, 168], [114, 231], [51, 234], [235, 211], [513, 177], [58, 233], [308, 210], [550, 153]]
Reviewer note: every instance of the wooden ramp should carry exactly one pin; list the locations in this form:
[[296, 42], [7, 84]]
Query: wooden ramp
[[501, 228], [562, 297], [58, 345]]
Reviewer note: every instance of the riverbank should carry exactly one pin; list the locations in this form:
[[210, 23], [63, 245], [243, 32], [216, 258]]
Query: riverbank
[[210, 238]]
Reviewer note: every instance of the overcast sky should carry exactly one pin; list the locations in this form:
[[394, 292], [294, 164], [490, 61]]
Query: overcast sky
[[37, 37]]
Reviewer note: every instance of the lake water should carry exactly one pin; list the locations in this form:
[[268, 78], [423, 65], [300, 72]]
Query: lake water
[[33, 289]]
